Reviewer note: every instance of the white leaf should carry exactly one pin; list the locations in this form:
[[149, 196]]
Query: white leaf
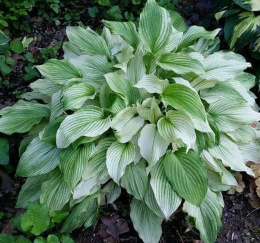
[[152, 145], [119, 155]]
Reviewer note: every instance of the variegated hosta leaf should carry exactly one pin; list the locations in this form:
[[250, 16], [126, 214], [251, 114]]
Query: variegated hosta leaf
[[151, 202], [56, 106], [31, 190], [89, 121], [55, 192], [95, 171], [136, 67], [230, 155], [149, 110], [109, 193], [180, 63], [152, 84], [195, 32], [166, 198], [74, 94], [223, 66], [126, 124], [207, 216], [231, 115], [73, 163], [39, 158], [122, 85], [154, 36], [186, 100], [45, 86], [135, 180], [146, 223], [177, 125], [244, 135], [22, 117], [88, 41], [127, 30], [177, 21], [152, 145], [250, 5], [70, 50], [48, 134], [251, 152], [81, 213], [226, 177], [59, 71], [93, 68], [220, 91], [187, 175], [119, 155]]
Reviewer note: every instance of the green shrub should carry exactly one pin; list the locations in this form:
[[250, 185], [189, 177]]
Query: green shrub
[[242, 26], [157, 110]]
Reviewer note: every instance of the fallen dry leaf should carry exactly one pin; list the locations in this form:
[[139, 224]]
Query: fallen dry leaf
[[240, 187], [115, 225]]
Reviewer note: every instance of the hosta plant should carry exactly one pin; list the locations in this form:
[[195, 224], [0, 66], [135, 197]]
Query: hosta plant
[[156, 109]]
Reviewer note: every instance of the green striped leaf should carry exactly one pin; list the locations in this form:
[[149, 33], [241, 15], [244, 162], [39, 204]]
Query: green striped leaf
[[230, 155], [154, 36], [220, 91], [231, 115], [250, 5], [75, 94], [223, 66], [45, 86], [126, 124], [166, 198], [48, 134], [207, 216], [119, 155], [151, 202], [93, 68], [88, 41], [127, 30], [89, 121], [194, 33], [180, 63], [152, 84], [152, 145], [186, 100], [135, 180], [177, 125], [215, 165], [251, 152], [81, 213], [59, 71], [39, 158], [31, 190], [145, 222], [187, 175], [245, 135], [55, 192], [22, 116], [123, 86], [73, 163], [56, 106]]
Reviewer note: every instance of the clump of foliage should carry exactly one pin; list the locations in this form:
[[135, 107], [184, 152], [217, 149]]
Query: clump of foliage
[[127, 9], [36, 221], [15, 14], [158, 110], [242, 26], [7, 61]]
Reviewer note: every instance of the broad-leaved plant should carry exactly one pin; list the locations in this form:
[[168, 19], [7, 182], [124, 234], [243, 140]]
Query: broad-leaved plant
[[156, 109]]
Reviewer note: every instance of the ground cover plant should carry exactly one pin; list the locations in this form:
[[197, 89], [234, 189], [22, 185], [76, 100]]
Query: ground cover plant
[[158, 110], [241, 28]]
